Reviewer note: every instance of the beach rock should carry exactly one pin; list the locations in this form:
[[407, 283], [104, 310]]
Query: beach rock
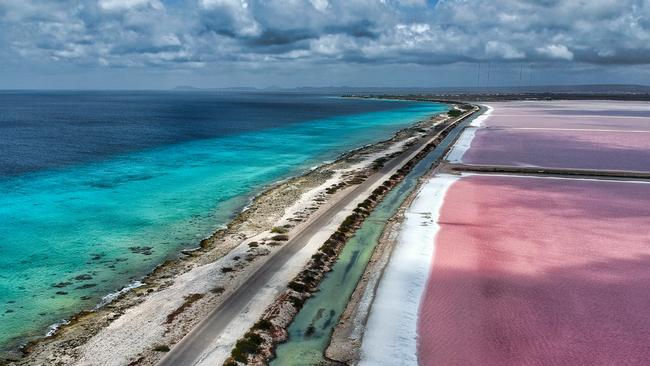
[[141, 250], [62, 284]]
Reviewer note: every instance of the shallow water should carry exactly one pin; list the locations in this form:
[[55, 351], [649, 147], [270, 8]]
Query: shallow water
[[73, 232], [321, 313]]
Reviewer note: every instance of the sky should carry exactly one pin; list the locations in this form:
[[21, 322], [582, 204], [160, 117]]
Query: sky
[[160, 44]]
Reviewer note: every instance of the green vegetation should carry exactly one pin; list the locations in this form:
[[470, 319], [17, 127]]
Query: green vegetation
[[279, 230], [281, 237], [455, 113], [161, 348], [296, 302], [218, 290], [379, 163], [250, 344], [297, 286], [263, 324]]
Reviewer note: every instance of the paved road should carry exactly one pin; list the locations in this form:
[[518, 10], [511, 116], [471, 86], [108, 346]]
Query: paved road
[[200, 339]]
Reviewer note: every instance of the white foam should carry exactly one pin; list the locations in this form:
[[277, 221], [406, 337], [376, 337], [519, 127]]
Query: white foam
[[54, 327], [107, 299], [391, 332]]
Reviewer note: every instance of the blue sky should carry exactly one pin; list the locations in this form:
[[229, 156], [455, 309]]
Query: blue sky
[[222, 43]]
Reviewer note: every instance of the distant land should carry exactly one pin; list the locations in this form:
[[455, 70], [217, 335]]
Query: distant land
[[585, 88]]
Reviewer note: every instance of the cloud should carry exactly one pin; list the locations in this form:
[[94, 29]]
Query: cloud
[[251, 33], [556, 51], [502, 50]]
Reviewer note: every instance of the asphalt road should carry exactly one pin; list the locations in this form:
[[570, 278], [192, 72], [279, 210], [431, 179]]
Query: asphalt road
[[200, 339]]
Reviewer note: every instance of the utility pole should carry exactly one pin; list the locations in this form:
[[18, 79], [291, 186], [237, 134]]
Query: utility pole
[[487, 84]]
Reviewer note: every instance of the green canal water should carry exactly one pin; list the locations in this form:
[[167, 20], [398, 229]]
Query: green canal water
[[321, 313]]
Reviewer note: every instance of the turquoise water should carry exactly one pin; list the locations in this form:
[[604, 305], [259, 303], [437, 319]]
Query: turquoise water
[[321, 313], [93, 228]]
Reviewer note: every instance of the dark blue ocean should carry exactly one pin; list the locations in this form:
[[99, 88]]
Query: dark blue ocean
[[84, 176]]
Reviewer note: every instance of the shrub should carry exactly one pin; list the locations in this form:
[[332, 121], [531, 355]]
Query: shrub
[[297, 286], [281, 237], [454, 113], [227, 269], [296, 302], [161, 348], [248, 345], [279, 230], [218, 290], [263, 324]]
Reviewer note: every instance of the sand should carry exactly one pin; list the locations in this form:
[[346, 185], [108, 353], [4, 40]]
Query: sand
[[390, 336]]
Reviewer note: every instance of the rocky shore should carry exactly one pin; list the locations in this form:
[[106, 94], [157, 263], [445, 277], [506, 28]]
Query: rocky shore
[[258, 344]]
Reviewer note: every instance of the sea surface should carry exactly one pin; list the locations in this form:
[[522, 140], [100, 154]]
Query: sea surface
[[97, 188]]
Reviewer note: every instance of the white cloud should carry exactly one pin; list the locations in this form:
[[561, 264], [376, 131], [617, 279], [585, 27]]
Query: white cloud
[[502, 50], [145, 32], [556, 51], [113, 5]]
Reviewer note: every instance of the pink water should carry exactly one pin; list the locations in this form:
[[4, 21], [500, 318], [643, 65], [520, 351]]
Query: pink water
[[532, 271], [561, 149], [569, 122]]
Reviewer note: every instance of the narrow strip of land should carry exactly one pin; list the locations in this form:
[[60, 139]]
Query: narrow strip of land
[[531, 170], [566, 129], [191, 349], [566, 117]]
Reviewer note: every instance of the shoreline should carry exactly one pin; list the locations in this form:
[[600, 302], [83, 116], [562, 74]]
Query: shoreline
[[345, 342], [256, 218], [414, 249], [274, 324]]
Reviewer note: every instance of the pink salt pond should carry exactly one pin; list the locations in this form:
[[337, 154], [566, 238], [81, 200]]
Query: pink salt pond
[[582, 149], [539, 271], [578, 135]]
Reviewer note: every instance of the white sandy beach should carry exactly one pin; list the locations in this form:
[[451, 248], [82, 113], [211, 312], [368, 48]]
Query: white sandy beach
[[392, 323]]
